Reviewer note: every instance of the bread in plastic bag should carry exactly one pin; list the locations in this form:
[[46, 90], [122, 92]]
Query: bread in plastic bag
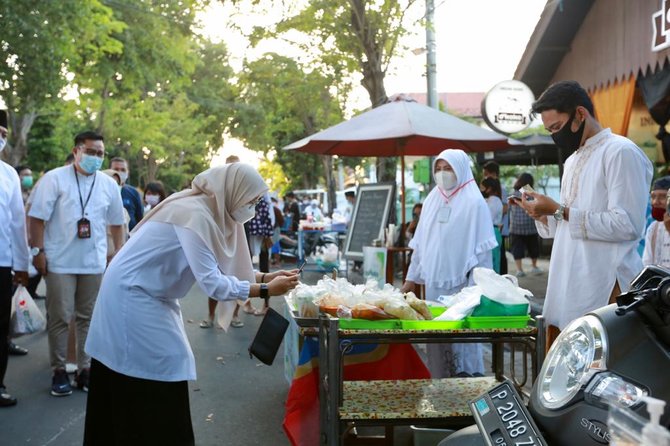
[[420, 306]]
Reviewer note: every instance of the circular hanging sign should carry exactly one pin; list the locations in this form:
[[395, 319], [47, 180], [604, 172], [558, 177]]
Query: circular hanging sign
[[506, 107]]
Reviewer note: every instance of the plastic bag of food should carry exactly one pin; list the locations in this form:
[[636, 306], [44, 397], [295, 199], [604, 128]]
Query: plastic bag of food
[[499, 288], [420, 306], [461, 304], [369, 312], [401, 309]]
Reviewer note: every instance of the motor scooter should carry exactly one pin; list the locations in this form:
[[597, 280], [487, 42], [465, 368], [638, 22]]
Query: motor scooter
[[613, 356]]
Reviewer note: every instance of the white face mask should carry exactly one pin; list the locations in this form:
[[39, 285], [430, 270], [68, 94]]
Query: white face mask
[[446, 179], [152, 200], [3, 142], [244, 214]]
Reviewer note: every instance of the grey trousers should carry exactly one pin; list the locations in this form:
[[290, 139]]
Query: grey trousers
[[68, 295]]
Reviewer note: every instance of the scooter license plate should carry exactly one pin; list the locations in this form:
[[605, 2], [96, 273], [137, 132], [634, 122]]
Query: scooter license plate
[[503, 419]]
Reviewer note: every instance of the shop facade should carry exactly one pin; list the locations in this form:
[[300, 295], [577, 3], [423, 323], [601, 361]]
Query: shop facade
[[619, 51]]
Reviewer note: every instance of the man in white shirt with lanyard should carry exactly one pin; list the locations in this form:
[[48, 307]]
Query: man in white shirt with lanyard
[[601, 215], [69, 217], [13, 256]]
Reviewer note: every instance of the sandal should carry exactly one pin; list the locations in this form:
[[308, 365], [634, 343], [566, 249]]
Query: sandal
[[261, 312], [237, 323], [206, 324], [249, 310]]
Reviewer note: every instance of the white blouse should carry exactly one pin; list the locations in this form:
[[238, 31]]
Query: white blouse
[[137, 327]]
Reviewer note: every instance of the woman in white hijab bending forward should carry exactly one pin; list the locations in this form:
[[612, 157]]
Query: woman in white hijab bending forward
[[141, 358], [455, 235]]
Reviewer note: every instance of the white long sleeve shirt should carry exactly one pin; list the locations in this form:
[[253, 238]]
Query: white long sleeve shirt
[[606, 186], [13, 239], [137, 327]]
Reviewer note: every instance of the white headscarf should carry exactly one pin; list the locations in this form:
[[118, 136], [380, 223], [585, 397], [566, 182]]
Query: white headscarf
[[445, 258], [206, 209]]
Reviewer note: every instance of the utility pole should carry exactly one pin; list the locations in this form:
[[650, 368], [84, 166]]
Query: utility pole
[[431, 63]]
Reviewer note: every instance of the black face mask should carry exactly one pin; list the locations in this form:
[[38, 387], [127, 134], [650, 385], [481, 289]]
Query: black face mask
[[565, 138]]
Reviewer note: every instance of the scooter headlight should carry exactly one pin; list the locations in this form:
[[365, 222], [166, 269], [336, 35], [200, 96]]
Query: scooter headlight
[[579, 352]]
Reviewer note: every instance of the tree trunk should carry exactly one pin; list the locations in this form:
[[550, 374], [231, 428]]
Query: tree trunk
[[373, 74], [17, 146], [330, 183]]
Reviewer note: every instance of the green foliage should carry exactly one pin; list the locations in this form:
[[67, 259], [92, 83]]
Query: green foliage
[[280, 102]]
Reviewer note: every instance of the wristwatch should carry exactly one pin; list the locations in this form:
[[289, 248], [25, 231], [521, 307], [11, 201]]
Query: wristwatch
[[558, 215], [264, 291], [34, 251]]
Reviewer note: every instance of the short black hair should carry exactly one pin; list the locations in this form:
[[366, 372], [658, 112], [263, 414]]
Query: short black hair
[[492, 167], [350, 193], [118, 159], [525, 179], [290, 195], [564, 97], [21, 167], [87, 136]]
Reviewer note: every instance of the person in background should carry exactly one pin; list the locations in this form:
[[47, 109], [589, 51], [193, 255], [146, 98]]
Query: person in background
[[14, 256], [600, 218], [110, 238], [131, 197], [657, 238], [27, 183], [492, 170], [26, 177], [142, 360], [292, 209], [276, 234], [491, 191], [70, 212], [410, 228], [260, 229], [350, 196], [659, 198], [454, 235], [523, 233], [69, 159], [314, 211], [154, 193]]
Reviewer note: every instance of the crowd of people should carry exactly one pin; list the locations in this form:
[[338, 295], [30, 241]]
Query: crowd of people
[[102, 248]]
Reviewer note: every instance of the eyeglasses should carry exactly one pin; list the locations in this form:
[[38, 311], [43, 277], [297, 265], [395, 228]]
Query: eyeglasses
[[93, 152]]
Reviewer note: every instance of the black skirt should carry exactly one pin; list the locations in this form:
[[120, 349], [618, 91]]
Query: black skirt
[[122, 410]]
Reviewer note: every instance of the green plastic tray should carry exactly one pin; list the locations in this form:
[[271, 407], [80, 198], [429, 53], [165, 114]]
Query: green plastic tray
[[431, 325], [490, 308], [497, 321], [364, 324], [437, 310]]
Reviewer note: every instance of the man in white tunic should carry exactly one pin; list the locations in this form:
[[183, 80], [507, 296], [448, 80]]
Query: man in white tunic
[[601, 215]]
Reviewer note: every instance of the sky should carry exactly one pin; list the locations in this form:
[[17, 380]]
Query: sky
[[479, 43]]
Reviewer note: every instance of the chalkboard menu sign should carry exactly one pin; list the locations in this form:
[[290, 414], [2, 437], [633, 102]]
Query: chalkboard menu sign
[[371, 213]]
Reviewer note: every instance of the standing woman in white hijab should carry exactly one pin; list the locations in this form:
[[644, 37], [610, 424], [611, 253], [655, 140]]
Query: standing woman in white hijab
[[141, 357], [454, 235]]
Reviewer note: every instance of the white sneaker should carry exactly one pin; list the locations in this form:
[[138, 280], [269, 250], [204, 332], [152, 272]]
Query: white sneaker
[[237, 323], [520, 274], [536, 271]]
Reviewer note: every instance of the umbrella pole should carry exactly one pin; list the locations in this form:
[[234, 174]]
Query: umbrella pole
[[402, 185]]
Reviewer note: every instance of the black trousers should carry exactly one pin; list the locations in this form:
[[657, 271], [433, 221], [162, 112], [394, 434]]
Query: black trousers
[[6, 291], [126, 411]]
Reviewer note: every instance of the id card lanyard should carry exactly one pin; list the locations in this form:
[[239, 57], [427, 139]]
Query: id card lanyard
[[445, 212], [84, 225]]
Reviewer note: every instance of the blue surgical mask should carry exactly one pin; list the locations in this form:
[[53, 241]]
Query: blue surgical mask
[[90, 164]]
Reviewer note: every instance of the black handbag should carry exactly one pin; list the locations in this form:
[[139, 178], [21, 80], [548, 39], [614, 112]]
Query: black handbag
[[268, 337]]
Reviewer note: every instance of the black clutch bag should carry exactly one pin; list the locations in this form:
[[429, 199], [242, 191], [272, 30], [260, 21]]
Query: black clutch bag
[[268, 337]]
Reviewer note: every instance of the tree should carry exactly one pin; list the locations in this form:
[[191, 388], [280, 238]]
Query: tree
[[39, 46], [280, 102], [353, 36]]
